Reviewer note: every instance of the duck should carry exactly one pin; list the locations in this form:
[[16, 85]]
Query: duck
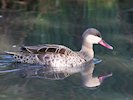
[[56, 62]]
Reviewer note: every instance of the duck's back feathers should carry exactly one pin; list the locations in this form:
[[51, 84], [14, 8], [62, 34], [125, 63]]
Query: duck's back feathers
[[41, 49]]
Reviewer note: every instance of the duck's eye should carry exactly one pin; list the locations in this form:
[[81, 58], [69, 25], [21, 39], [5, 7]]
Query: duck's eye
[[98, 35]]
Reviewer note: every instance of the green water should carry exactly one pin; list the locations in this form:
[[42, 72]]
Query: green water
[[63, 22]]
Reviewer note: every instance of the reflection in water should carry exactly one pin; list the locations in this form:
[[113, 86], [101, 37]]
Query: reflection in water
[[119, 86], [62, 23]]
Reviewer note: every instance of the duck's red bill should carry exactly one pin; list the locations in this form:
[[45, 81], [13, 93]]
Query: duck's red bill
[[103, 43]]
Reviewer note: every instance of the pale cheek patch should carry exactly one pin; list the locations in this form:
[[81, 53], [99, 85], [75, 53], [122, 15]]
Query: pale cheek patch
[[93, 39]]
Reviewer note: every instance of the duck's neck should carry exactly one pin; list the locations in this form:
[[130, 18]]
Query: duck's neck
[[87, 51]]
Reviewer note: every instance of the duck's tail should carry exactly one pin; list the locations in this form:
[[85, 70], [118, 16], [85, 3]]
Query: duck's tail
[[7, 58], [11, 53]]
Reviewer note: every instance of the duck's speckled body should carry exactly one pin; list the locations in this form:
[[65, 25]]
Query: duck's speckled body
[[55, 58]]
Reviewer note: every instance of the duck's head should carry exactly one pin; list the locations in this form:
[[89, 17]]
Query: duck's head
[[93, 36], [95, 82]]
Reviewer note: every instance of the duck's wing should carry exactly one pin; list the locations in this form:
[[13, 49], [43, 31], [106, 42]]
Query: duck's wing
[[28, 54], [39, 49]]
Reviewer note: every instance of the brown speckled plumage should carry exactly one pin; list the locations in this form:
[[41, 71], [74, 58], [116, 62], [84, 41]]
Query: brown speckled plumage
[[59, 59]]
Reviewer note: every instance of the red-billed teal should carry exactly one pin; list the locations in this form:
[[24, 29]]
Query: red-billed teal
[[58, 62]]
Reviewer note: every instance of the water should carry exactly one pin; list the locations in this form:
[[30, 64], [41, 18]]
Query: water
[[64, 24]]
